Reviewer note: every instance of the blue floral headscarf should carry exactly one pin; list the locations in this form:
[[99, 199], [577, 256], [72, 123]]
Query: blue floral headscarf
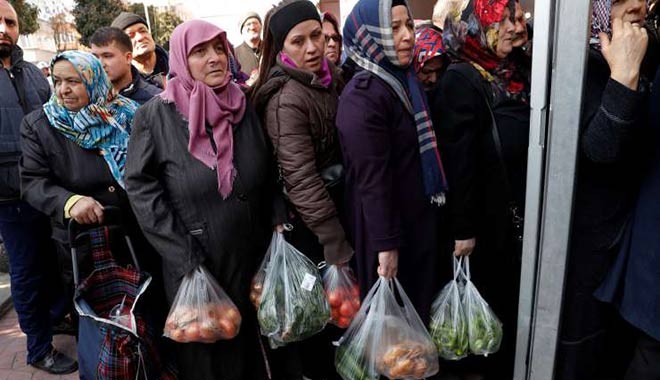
[[370, 43], [104, 123]]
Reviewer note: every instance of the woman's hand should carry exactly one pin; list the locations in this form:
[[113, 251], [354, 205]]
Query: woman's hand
[[464, 247], [388, 263], [625, 52], [87, 211]]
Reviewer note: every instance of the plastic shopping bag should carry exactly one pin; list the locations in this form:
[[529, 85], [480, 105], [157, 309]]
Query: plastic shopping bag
[[257, 285], [448, 326], [386, 339], [484, 328], [343, 294], [293, 305], [202, 312]]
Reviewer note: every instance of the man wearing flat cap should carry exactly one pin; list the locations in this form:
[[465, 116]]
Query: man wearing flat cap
[[248, 53], [150, 59]]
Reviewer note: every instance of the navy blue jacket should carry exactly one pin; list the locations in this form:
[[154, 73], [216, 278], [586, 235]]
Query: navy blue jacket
[[633, 284], [23, 89], [139, 89]]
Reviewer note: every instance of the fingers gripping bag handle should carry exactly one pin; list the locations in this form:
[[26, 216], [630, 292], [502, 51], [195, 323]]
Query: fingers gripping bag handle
[[484, 328], [448, 325], [343, 294], [293, 304], [201, 312]]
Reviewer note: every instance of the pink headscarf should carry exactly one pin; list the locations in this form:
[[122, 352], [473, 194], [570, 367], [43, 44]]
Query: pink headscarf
[[221, 107]]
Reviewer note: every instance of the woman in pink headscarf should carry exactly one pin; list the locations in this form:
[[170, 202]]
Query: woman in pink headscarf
[[199, 180]]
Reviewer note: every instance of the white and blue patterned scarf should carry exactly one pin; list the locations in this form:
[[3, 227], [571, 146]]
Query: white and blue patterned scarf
[[370, 43], [104, 123]]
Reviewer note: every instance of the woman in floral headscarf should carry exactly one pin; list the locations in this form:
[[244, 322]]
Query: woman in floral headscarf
[[612, 154], [477, 96], [73, 164], [74, 149]]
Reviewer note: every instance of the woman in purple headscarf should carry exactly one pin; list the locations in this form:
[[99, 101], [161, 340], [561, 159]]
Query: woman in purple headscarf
[[198, 178], [611, 153]]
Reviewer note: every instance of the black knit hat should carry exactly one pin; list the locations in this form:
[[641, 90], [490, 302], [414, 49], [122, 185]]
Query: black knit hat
[[282, 21], [126, 19]]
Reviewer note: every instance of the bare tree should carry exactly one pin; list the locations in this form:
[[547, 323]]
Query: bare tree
[[60, 28]]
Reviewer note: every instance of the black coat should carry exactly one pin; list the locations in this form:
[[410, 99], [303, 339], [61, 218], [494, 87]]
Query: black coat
[[176, 200], [23, 89], [478, 199], [54, 168], [610, 160]]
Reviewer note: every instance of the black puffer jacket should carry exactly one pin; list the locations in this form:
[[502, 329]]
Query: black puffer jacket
[[23, 89]]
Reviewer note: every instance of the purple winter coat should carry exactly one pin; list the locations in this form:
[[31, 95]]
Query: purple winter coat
[[387, 208]]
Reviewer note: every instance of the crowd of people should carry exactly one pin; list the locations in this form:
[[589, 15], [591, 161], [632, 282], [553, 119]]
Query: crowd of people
[[387, 146]]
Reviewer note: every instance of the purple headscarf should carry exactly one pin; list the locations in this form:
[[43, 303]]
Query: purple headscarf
[[221, 107]]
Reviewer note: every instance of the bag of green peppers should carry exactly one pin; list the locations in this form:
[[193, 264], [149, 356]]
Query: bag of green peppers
[[448, 326], [292, 303], [484, 328]]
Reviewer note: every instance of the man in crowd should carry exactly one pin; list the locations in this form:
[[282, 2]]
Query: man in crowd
[[114, 49], [248, 53], [26, 232], [150, 59]]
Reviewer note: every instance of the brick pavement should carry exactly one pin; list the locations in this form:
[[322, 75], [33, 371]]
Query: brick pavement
[[12, 352]]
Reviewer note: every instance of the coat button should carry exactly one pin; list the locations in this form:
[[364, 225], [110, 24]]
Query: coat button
[[111, 189]]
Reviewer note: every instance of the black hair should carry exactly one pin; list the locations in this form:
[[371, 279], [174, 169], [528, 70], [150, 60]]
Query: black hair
[[106, 35]]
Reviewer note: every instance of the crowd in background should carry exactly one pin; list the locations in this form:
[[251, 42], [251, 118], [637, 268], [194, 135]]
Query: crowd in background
[[385, 146]]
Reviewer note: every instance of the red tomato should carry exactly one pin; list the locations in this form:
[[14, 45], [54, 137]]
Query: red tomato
[[177, 335], [192, 332], [335, 314], [344, 322], [355, 291], [233, 315], [208, 332], [228, 328], [334, 299], [356, 304], [347, 310]]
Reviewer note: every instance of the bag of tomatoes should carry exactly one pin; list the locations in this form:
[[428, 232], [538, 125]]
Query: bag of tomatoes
[[343, 294], [292, 304], [386, 338], [201, 312]]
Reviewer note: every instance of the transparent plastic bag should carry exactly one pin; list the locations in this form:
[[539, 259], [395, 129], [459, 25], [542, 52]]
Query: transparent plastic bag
[[448, 325], [257, 285], [386, 339], [201, 312], [293, 305], [484, 328], [343, 294]]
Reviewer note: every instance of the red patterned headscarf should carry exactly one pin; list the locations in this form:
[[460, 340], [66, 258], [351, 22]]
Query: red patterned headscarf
[[428, 45], [472, 36]]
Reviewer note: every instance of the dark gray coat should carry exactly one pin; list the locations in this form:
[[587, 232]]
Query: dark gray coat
[[175, 198], [23, 89]]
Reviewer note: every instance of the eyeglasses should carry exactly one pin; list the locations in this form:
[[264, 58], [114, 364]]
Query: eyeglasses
[[334, 37]]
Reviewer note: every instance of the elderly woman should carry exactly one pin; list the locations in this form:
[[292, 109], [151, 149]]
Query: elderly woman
[[482, 118], [429, 57], [612, 152], [199, 179], [395, 179], [296, 96], [74, 153]]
